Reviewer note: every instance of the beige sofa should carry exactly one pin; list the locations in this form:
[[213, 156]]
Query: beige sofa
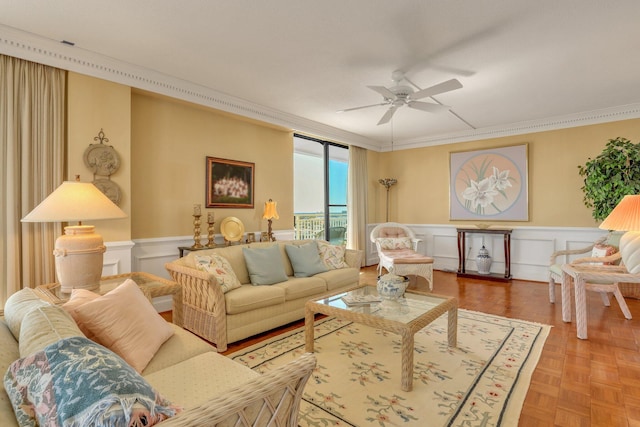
[[222, 318], [212, 389]]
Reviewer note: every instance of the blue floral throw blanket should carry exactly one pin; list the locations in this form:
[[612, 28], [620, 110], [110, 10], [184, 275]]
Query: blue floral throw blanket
[[76, 382]]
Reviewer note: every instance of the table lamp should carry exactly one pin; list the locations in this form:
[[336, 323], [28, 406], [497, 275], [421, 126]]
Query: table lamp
[[269, 214], [79, 251], [626, 217]]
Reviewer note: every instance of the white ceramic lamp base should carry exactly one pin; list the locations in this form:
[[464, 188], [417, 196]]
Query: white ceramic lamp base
[[79, 254]]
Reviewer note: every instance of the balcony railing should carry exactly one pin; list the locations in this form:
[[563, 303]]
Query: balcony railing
[[311, 226]]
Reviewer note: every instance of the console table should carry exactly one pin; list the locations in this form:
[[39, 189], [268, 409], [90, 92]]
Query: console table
[[462, 272]]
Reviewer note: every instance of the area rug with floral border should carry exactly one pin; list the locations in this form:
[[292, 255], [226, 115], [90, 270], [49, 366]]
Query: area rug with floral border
[[481, 382]]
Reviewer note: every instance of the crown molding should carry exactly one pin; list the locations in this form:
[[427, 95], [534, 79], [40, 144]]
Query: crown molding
[[45, 51], [28, 46], [613, 114]]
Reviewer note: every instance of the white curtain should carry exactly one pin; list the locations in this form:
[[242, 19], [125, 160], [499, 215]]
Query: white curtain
[[357, 198], [32, 153]]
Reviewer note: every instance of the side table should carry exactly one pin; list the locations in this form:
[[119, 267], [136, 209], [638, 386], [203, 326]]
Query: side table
[[462, 269], [151, 286], [580, 275]]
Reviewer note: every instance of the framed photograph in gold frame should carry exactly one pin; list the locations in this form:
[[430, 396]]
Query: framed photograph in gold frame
[[489, 185], [230, 183]]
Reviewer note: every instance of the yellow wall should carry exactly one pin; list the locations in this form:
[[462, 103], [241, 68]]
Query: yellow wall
[[95, 104], [163, 144], [171, 140], [555, 198]]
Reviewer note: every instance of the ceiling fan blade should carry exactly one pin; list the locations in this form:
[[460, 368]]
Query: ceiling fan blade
[[360, 108], [387, 116], [428, 106], [386, 93], [447, 86]]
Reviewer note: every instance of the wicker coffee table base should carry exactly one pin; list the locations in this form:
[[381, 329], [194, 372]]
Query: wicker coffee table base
[[405, 330]]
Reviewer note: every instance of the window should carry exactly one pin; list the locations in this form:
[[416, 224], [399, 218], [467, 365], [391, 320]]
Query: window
[[320, 189]]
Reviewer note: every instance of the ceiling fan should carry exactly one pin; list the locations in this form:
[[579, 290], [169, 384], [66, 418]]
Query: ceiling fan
[[400, 95]]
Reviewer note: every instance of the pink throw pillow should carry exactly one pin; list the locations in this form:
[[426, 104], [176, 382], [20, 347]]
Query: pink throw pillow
[[79, 297], [124, 321]]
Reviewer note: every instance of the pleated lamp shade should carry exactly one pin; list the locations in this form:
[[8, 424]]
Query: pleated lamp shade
[[626, 217], [79, 252]]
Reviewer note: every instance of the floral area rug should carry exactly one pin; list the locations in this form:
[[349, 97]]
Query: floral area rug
[[481, 382]]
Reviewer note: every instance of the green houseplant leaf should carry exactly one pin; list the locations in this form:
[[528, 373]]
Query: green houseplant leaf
[[611, 176]]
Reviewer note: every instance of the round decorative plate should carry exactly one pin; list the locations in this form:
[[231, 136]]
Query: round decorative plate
[[109, 188], [101, 159], [232, 229]]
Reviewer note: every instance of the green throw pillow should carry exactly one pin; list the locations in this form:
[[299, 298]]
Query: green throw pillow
[[305, 259], [264, 265]]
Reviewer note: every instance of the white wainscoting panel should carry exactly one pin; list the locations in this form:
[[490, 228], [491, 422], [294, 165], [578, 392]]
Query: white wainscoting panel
[[531, 247], [117, 258]]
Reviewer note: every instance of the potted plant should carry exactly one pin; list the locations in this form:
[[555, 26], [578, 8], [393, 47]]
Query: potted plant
[[611, 176]]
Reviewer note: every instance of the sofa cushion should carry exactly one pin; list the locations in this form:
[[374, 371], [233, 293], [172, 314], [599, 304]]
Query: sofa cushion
[[43, 326], [181, 346], [300, 287], [18, 305], [219, 268], [124, 321], [305, 259], [78, 382], [332, 255], [184, 383], [264, 265], [340, 277], [9, 353], [249, 297], [288, 269]]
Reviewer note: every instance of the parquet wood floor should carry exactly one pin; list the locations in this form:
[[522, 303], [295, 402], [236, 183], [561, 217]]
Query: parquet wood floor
[[594, 382]]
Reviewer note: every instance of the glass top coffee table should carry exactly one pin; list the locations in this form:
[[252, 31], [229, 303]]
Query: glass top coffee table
[[406, 317]]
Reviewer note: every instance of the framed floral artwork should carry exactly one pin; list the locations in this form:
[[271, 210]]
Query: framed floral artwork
[[229, 183], [489, 185]]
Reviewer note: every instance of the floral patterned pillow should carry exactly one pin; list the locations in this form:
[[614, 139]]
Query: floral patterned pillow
[[220, 268], [600, 250], [394, 242], [332, 256], [76, 382]]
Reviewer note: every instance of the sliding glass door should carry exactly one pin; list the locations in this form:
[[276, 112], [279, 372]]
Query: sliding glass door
[[320, 189]]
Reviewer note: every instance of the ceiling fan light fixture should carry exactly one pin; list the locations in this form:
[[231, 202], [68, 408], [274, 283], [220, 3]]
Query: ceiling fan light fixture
[[400, 95]]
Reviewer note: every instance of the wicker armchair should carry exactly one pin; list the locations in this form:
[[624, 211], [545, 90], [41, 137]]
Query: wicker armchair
[[273, 399], [604, 285]]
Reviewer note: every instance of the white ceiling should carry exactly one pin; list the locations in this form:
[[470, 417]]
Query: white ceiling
[[525, 65]]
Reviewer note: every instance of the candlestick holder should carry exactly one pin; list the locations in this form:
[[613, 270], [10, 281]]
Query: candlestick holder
[[196, 232], [211, 242]]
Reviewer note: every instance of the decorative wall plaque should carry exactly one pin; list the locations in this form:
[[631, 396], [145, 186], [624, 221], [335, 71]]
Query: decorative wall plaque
[[103, 161]]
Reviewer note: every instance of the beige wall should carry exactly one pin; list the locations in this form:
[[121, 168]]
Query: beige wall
[[95, 104], [555, 199], [163, 144], [171, 140]]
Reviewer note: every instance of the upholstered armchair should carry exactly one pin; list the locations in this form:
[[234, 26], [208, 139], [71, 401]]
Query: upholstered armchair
[[397, 249], [603, 252]]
